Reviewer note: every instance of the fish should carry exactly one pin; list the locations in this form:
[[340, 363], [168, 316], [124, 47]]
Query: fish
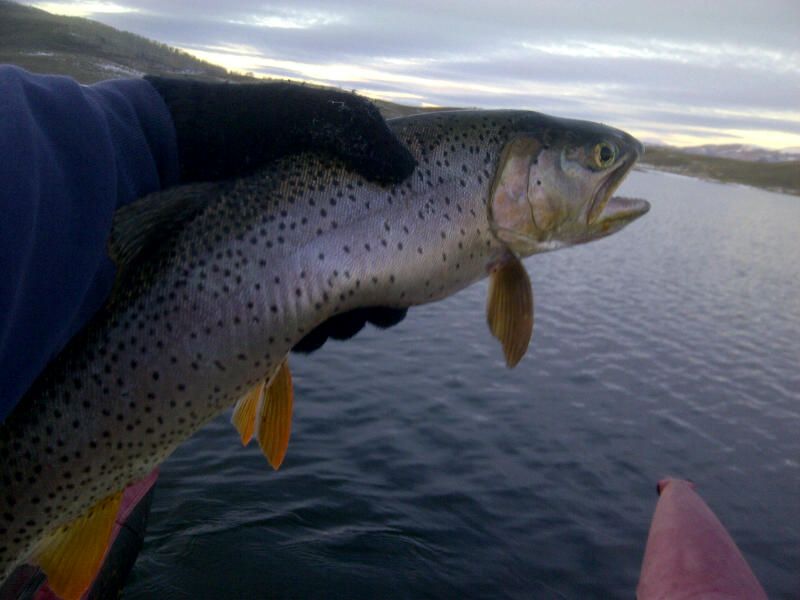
[[217, 283]]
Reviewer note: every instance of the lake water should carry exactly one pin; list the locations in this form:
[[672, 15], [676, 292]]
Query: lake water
[[420, 467]]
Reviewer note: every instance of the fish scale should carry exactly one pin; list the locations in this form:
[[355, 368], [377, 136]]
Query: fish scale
[[214, 308]]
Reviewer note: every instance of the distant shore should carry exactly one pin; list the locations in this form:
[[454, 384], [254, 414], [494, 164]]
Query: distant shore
[[783, 177]]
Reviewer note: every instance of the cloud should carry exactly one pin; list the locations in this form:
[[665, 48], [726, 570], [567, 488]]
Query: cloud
[[84, 9], [713, 68], [287, 19]]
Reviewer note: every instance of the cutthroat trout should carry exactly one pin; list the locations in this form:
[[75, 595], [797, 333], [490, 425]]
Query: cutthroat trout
[[218, 282]]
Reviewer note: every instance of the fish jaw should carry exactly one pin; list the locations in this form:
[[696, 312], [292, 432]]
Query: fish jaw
[[617, 212], [614, 179], [608, 213]]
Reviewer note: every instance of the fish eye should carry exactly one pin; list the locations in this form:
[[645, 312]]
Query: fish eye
[[604, 155]]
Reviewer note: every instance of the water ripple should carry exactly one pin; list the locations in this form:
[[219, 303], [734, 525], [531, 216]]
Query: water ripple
[[420, 467]]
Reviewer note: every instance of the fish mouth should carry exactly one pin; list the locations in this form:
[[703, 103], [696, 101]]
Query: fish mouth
[[609, 186]]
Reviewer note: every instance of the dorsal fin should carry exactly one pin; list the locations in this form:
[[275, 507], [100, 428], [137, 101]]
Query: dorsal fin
[[73, 554], [143, 225]]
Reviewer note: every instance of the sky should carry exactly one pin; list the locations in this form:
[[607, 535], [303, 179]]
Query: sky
[[679, 72]]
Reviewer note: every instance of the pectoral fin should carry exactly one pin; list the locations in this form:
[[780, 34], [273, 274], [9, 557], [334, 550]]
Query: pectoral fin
[[72, 556], [244, 413], [509, 310], [274, 420]]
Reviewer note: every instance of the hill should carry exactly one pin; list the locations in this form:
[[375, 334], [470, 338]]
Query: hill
[[743, 152], [89, 51]]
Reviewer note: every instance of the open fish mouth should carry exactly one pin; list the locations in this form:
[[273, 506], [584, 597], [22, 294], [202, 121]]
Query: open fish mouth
[[609, 186]]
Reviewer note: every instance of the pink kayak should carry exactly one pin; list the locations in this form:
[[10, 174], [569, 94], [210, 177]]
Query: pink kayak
[[689, 553]]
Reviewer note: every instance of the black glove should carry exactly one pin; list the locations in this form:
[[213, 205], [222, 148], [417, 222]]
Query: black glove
[[227, 129], [346, 325]]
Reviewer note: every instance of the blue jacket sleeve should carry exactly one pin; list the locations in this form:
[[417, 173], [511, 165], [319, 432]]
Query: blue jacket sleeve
[[69, 156]]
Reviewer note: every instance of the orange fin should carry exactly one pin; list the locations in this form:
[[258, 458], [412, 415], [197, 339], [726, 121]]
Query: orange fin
[[244, 414], [275, 416], [72, 556], [509, 310]]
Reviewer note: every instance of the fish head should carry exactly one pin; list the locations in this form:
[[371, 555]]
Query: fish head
[[555, 182]]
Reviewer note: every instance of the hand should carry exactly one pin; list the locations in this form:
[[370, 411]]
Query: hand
[[345, 325], [228, 130]]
